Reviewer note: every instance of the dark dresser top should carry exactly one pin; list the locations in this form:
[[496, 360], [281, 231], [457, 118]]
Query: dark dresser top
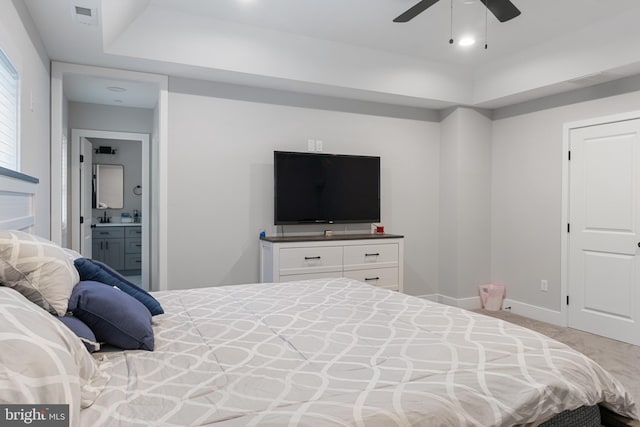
[[323, 238]]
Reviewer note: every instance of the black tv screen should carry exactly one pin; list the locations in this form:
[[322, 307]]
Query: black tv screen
[[326, 188]]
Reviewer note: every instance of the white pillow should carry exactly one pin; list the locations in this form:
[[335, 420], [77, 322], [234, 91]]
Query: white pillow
[[38, 269], [41, 360], [71, 254]]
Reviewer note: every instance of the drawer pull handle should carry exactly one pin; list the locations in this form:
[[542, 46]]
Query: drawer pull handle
[[307, 258], [138, 246], [138, 232], [138, 261], [102, 233], [369, 279], [376, 254]]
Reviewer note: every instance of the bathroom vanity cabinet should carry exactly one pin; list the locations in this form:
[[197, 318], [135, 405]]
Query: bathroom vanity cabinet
[[119, 246]]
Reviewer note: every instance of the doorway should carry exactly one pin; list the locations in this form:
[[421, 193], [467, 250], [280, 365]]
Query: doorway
[[603, 244], [128, 247], [72, 81]]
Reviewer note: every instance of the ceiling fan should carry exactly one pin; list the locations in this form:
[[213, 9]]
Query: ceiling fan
[[504, 10]]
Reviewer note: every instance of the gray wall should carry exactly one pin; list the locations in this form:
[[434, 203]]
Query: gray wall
[[220, 192], [478, 200], [465, 203], [110, 118], [20, 41], [526, 194], [441, 182], [448, 204]]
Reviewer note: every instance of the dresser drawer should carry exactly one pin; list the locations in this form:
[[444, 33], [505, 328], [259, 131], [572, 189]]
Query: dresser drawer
[[132, 262], [383, 277], [133, 231], [108, 233], [310, 260], [133, 246], [370, 256]]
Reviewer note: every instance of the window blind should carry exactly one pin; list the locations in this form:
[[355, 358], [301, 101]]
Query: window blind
[[8, 114]]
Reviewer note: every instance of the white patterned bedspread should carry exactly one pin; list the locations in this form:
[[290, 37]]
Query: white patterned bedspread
[[342, 353]]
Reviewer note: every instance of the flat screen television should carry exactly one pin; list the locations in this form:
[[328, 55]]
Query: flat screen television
[[325, 188]]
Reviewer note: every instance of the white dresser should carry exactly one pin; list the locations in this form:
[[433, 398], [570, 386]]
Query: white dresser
[[377, 259]]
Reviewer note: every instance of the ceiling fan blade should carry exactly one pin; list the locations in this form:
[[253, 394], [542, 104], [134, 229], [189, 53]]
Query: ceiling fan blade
[[416, 10], [504, 10]]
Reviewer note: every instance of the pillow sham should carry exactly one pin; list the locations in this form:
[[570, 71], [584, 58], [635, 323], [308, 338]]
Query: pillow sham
[[114, 317], [38, 269], [71, 254], [42, 361], [83, 332], [99, 272]]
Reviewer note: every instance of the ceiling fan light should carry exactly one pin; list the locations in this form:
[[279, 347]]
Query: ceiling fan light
[[466, 41]]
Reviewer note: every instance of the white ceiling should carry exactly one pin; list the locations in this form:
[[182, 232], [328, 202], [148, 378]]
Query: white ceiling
[[99, 90], [351, 48], [369, 23]]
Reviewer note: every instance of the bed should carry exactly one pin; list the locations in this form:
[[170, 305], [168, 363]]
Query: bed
[[332, 352], [340, 352]]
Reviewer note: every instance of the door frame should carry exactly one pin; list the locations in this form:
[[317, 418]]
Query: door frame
[[159, 161], [564, 241], [76, 135]]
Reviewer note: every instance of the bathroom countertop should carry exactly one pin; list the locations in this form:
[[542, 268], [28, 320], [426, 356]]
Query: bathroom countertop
[[118, 224]]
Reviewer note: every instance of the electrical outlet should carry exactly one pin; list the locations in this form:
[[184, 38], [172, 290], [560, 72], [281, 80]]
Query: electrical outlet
[[544, 285], [318, 145], [311, 145]]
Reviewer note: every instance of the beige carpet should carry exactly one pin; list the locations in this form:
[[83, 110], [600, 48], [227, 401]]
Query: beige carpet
[[620, 359]]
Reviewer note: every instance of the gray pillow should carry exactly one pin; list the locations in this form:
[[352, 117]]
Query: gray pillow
[[41, 360], [38, 269]]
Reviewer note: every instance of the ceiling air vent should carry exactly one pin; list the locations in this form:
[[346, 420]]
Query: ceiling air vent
[[84, 15], [83, 11]]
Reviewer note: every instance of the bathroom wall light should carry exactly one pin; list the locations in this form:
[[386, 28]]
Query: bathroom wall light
[[105, 149]]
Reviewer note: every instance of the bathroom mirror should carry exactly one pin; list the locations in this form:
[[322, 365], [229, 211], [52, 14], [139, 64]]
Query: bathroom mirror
[[109, 186]]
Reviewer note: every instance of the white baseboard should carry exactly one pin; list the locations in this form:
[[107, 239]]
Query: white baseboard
[[517, 307], [430, 297], [471, 303], [535, 312]]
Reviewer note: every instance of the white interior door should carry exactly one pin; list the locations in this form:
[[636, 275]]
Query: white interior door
[[86, 196], [603, 292]]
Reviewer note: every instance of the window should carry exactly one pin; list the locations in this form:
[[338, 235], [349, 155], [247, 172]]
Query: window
[[8, 114]]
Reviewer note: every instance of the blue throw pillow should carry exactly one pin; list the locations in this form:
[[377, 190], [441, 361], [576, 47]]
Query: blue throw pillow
[[97, 271], [113, 316], [82, 331]]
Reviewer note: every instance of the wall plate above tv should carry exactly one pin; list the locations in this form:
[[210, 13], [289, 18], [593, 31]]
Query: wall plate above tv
[[312, 188]]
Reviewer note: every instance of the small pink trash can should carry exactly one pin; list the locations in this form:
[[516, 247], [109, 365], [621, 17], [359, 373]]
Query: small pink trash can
[[492, 296]]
